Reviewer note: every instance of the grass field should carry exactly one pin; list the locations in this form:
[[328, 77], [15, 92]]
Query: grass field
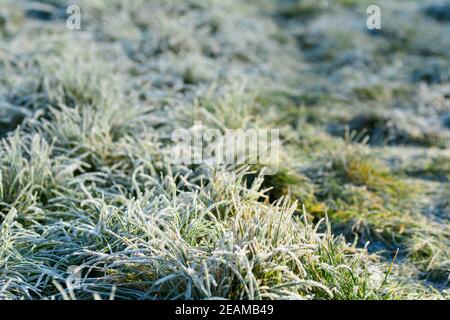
[[360, 205]]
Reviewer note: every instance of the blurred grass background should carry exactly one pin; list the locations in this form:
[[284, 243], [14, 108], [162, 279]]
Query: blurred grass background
[[85, 171]]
